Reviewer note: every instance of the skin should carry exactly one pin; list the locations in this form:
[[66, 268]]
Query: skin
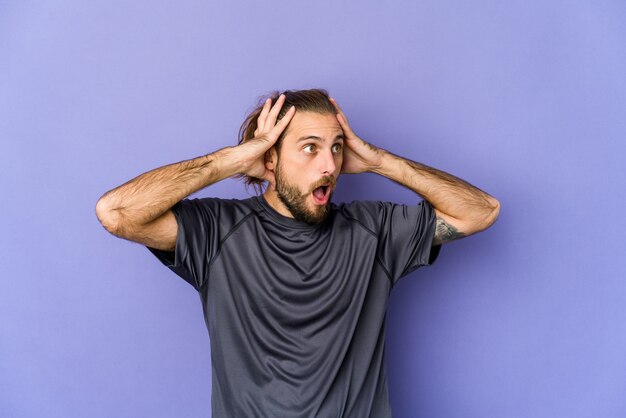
[[461, 208], [139, 210], [311, 155]]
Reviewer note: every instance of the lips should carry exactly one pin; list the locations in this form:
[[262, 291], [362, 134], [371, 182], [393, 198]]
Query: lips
[[321, 194], [322, 190]]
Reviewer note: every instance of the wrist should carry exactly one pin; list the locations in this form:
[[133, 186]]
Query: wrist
[[228, 162], [386, 164]]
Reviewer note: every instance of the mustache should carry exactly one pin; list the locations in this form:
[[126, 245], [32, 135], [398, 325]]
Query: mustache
[[325, 181]]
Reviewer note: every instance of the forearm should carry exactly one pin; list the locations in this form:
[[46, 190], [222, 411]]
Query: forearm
[[473, 209], [461, 208], [146, 197]]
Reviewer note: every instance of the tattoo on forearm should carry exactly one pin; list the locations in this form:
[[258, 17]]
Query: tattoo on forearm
[[444, 232]]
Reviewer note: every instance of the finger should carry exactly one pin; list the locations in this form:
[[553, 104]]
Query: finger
[[260, 122], [334, 102], [345, 126], [269, 138], [343, 120], [282, 124], [270, 121]]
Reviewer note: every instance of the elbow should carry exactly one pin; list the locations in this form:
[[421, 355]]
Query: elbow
[[109, 217], [492, 212], [484, 217]]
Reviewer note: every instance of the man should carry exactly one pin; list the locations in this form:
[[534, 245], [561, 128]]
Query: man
[[295, 288]]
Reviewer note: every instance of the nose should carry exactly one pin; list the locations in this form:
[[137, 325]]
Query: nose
[[327, 163]]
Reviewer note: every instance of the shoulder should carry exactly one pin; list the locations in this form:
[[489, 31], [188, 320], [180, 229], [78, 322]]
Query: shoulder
[[368, 213], [224, 211], [374, 214]]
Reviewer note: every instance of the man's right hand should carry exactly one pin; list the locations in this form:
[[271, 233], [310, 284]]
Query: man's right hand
[[252, 152], [140, 209]]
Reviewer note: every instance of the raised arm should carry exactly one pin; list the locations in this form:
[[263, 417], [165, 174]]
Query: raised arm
[[139, 210], [461, 208]]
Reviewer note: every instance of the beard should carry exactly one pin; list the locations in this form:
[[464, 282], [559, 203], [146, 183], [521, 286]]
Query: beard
[[296, 201]]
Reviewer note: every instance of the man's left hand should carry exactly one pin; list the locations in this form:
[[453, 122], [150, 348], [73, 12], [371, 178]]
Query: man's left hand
[[358, 155]]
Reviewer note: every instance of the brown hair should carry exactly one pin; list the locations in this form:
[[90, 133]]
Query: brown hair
[[313, 100]]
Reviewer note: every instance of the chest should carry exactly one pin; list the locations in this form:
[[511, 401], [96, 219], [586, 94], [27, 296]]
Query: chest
[[293, 280]]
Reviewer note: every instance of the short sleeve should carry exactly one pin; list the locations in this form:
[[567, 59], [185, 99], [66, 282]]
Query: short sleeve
[[197, 221], [406, 237]]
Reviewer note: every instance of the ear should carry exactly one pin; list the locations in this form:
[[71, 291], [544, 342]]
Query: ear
[[271, 158]]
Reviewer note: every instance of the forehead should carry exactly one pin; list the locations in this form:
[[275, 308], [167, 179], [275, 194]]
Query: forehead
[[322, 125]]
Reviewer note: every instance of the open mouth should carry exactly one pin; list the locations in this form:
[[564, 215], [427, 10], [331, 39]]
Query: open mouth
[[321, 194]]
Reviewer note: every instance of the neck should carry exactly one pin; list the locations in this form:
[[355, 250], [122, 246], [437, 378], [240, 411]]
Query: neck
[[271, 197]]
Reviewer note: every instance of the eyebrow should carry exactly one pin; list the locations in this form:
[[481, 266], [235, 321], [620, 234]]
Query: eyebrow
[[318, 139]]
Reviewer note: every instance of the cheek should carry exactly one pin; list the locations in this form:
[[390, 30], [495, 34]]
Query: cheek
[[298, 176]]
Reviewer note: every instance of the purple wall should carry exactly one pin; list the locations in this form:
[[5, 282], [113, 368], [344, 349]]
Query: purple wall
[[525, 99]]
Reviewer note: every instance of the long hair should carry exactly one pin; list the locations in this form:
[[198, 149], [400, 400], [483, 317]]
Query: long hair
[[312, 100]]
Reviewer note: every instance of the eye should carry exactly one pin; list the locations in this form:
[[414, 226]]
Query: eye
[[309, 148], [337, 148]]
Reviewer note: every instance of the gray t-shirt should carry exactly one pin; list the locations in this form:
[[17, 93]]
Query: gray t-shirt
[[296, 313]]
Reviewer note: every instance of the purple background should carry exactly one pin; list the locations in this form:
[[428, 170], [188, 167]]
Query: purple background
[[525, 99]]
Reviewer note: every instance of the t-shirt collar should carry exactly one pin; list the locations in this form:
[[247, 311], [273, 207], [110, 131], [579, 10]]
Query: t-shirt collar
[[282, 219]]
